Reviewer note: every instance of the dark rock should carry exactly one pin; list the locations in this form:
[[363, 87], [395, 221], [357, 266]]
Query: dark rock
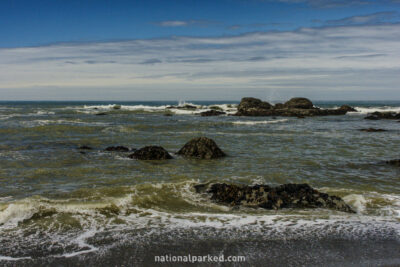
[[298, 196], [85, 147], [201, 147], [101, 114], [299, 102], [394, 162], [383, 115], [151, 153], [348, 108], [117, 107], [250, 106], [211, 113], [216, 108], [117, 149], [371, 130], [296, 107]]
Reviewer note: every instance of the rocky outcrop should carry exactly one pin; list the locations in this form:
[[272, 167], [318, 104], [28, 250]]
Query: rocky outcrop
[[296, 107], [202, 148], [250, 106], [372, 130], [383, 115], [151, 153], [394, 162], [117, 149], [348, 108], [299, 102], [299, 196], [211, 113]]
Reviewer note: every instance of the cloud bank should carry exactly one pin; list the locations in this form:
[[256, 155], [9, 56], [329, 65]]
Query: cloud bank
[[341, 62]]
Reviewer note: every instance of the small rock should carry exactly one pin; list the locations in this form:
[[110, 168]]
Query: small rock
[[201, 147], [85, 147], [211, 113], [394, 162], [371, 130], [348, 108], [151, 153], [101, 114], [117, 149]]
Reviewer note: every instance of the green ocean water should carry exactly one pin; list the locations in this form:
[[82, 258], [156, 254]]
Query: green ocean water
[[56, 202]]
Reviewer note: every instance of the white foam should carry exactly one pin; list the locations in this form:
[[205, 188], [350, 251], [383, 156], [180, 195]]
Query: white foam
[[366, 110], [5, 258], [259, 122]]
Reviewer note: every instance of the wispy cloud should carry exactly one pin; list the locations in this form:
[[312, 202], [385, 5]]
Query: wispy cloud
[[325, 61], [375, 18], [184, 23]]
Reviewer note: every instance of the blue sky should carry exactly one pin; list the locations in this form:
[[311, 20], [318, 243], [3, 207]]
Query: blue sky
[[149, 50]]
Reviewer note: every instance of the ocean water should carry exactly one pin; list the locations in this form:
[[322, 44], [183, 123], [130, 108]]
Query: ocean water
[[62, 207]]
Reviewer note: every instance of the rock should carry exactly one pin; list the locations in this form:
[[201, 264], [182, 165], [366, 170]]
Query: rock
[[117, 149], [101, 114], [371, 130], [151, 153], [296, 107], [298, 196], [211, 113], [383, 115], [216, 108], [117, 107], [394, 162], [348, 108], [250, 106], [299, 102], [85, 147], [201, 147]]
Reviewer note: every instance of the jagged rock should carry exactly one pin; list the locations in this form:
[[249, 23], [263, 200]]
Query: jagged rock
[[151, 153], [211, 113], [394, 162], [201, 147], [348, 108], [383, 115], [117, 149], [298, 196], [371, 130], [279, 106], [299, 102], [84, 147]]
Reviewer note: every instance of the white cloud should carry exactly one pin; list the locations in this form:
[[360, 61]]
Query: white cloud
[[332, 62]]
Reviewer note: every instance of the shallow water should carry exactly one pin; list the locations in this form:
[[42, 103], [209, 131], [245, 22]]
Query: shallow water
[[57, 203]]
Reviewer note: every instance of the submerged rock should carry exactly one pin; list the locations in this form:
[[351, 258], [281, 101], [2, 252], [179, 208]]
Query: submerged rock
[[383, 115], [117, 149], [299, 102], [151, 153], [211, 113], [348, 108], [394, 162], [201, 147], [84, 147], [371, 130], [298, 196]]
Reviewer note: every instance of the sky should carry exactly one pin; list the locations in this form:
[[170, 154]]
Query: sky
[[199, 50]]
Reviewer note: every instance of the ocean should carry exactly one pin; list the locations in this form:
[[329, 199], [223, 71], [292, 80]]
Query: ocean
[[64, 206]]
